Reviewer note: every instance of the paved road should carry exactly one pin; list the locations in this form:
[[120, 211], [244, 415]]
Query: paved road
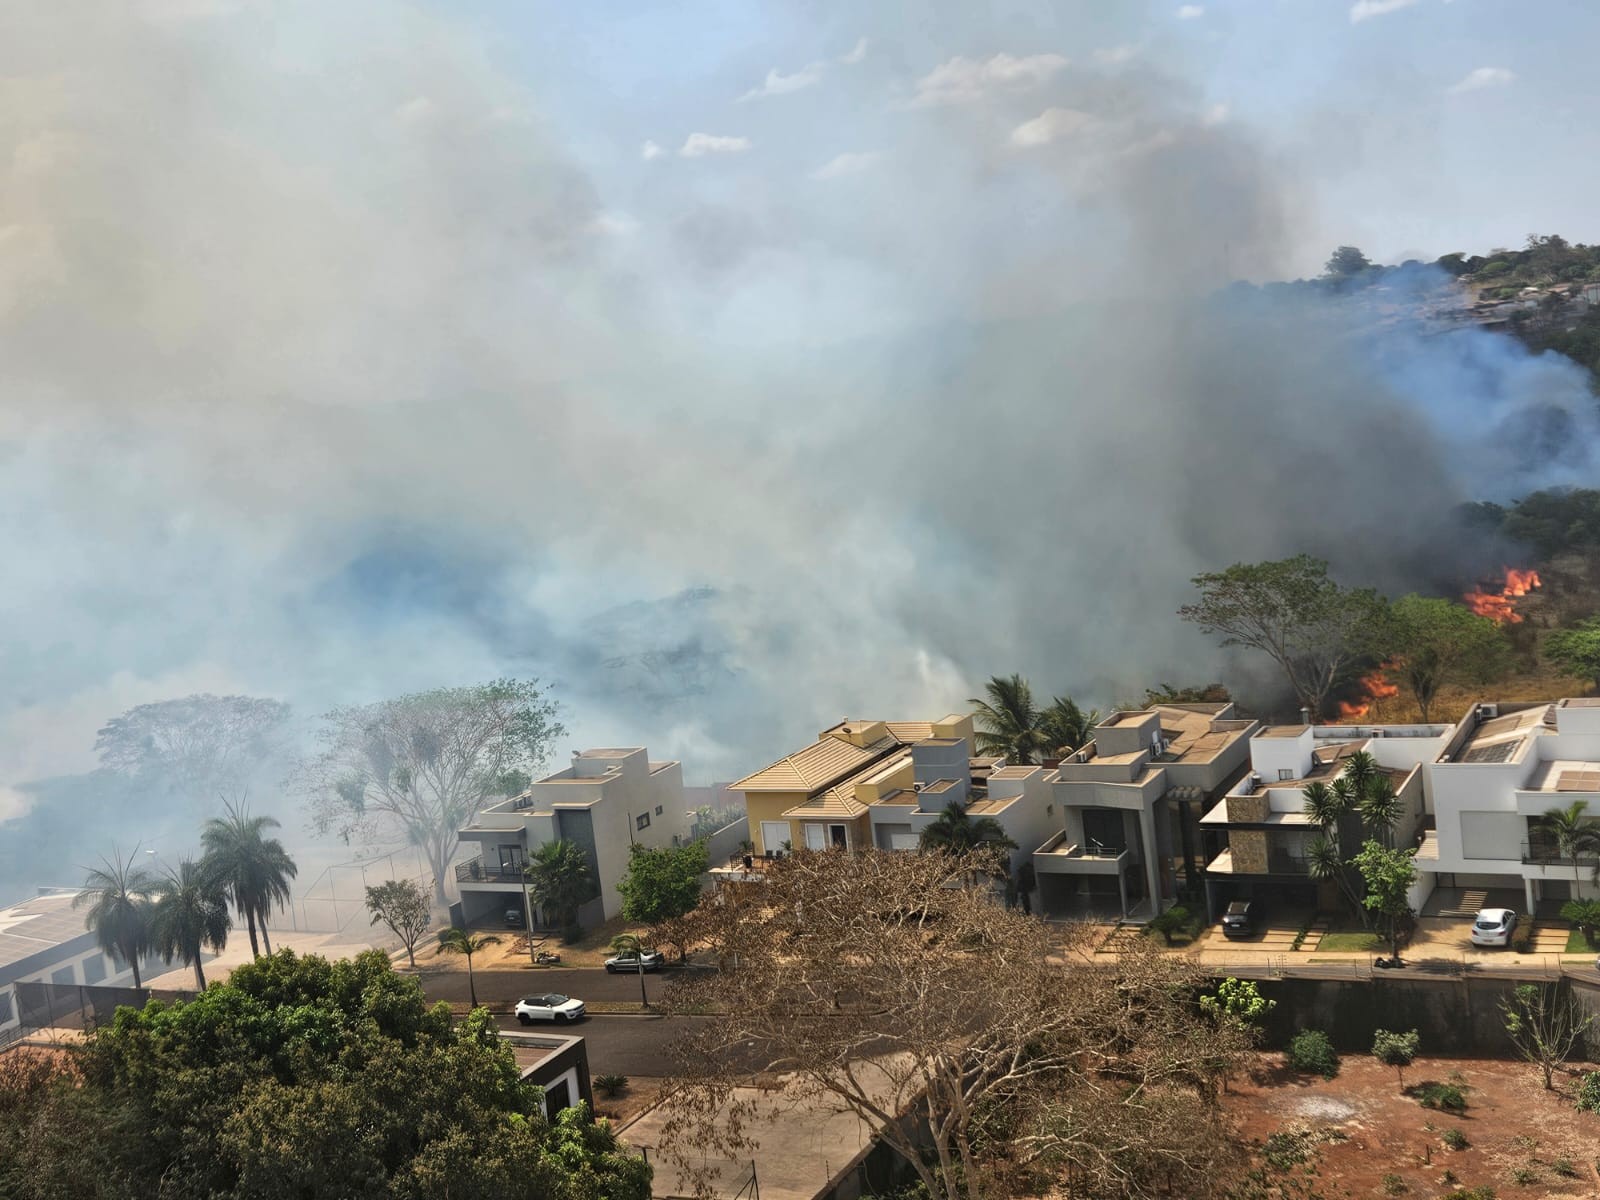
[[500, 989], [622, 1045]]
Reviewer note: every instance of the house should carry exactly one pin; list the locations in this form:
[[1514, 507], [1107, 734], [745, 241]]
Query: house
[[45, 940], [557, 1063], [1124, 807], [1258, 833], [1501, 768], [605, 801], [871, 783]]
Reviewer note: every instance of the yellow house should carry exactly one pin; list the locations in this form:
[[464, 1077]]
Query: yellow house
[[819, 798]]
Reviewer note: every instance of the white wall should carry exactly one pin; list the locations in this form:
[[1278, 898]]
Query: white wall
[[1270, 755]]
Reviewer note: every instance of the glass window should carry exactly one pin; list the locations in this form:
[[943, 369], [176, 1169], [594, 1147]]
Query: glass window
[[94, 968], [658, 810], [1285, 773], [63, 976], [644, 821]]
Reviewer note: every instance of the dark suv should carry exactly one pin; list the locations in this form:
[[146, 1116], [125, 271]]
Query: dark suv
[[1241, 918]]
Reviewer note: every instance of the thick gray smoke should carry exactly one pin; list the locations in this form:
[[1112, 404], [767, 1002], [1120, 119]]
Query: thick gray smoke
[[327, 374]]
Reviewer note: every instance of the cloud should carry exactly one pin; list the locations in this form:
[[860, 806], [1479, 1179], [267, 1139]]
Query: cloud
[[855, 55], [614, 224], [1190, 12], [1362, 10], [1050, 125], [967, 80], [1215, 115], [850, 163], [1483, 77], [698, 145], [650, 150], [779, 84], [1113, 56]]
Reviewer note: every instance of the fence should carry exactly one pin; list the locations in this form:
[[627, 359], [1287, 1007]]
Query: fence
[[337, 898], [46, 1010], [717, 1178]]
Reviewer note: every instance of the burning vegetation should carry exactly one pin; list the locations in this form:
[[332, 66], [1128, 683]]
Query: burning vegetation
[[1370, 688], [1499, 605]]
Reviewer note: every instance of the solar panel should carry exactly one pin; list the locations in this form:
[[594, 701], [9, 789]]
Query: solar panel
[[1499, 753]]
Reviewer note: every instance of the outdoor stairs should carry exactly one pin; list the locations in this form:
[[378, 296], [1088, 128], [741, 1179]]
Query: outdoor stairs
[[1313, 938], [1472, 899], [1123, 937]]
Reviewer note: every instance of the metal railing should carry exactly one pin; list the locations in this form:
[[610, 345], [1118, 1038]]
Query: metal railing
[[477, 870], [1547, 853]]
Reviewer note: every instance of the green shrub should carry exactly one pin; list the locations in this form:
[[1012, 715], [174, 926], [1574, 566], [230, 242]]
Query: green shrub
[[1313, 1053], [1483, 1192], [1589, 1091], [1440, 1095], [1455, 1139], [611, 1085], [1522, 940], [1564, 1168], [1176, 919], [1285, 1150], [1524, 1176], [1394, 1185]]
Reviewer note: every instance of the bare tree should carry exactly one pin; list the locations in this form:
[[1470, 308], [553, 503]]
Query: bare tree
[[991, 1057], [425, 763], [1545, 1025]]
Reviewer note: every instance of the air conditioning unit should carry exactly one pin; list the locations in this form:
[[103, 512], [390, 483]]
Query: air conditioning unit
[[1488, 712]]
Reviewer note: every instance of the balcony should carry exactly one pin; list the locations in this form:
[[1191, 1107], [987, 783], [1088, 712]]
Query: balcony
[[1071, 858], [477, 870], [1545, 853]]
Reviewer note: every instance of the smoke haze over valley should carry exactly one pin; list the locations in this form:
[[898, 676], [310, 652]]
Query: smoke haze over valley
[[356, 349]]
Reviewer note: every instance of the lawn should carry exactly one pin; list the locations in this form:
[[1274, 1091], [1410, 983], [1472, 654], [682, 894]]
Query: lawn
[[1577, 943], [1346, 942]]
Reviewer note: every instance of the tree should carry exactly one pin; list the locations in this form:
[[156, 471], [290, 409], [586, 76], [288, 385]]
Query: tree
[[1576, 651], [253, 869], [956, 832], [1293, 612], [202, 747], [1346, 261], [1574, 832], [1238, 1000], [1007, 722], [1389, 876], [662, 883], [426, 762], [190, 914], [302, 1078], [1027, 884], [1207, 693], [403, 906], [1380, 807], [1544, 1024], [1325, 857], [1585, 914], [1065, 727], [632, 943], [1397, 1050], [1435, 642], [874, 984], [118, 895], [465, 943], [560, 879]]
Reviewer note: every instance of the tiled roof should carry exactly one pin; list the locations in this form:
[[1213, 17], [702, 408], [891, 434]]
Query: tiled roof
[[910, 731], [835, 802], [820, 764]]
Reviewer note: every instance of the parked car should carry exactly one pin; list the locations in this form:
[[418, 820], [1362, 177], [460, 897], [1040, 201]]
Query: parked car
[[1240, 918], [552, 1006], [514, 918], [1493, 927], [629, 961]]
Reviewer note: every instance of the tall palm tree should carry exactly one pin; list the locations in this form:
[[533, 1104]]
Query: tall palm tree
[[118, 895], [190, 913], [1380, 807], [1064, 726], [1326, 806], [955, 831], [460, 941], [632, 943], [560, 879], [1575, 833], [254, 870], [1008, 723]]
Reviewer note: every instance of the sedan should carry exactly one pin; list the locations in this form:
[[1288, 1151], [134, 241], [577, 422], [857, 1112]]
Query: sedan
[[1493, 927], [629, 961], [552, 1006]]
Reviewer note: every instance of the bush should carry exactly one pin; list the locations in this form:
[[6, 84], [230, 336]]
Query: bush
[[1589, 1092], [1455, 1139], [1394, 1185], [611, 1085], [1524, 1176], [1585, 914], [1175, 920], [1313, 1053], [1522, 940], [1440, 1095], [1477, 1193], [1564, 1168]]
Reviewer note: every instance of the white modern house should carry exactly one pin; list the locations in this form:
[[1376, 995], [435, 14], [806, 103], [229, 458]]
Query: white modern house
[[1501, 768], [45, 940], [606, 801]]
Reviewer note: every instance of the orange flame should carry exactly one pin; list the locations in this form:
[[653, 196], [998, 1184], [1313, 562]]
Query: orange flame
[[1374, 687], [1499, 606]]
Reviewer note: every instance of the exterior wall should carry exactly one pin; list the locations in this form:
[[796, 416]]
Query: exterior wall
[[1457, 789], [1270, 756], [1024, 820]]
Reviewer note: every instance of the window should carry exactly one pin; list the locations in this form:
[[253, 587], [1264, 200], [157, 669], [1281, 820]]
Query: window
[[6, 1011], [644, 821], [63, 976], [94, 968], [837, 837], [1285, 773], [658, 810], [1049, 810]]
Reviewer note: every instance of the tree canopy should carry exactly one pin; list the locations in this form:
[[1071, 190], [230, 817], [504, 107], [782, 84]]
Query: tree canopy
[[560, 879], [1345, 262], [402, 905], [425, 763], [203, 747], [1292, 611], [662, 883], [1577, 650], [1010, 723], [1433, 642], [301, 1079]]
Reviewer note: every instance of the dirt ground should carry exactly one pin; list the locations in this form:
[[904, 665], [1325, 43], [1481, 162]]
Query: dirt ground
[[1359, 1136], [639, 1095], [512, 949]]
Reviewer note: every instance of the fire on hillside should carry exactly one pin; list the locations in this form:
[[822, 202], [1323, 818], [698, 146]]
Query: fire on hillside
[[1500, 605], [1370, 688]]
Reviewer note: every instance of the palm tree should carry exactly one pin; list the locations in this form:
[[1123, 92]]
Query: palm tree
[[254, 870], [1008, 723], [1380, 808], [560, 879], [1065, 727], [1325, 860], [1323, 805], [190, 913], [118, 895], [955, 831], [460, 941], [1575, 833], [630, 943]]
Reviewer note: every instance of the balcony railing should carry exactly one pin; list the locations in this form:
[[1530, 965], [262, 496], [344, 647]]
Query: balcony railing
[[478, 870], [1548, 854]]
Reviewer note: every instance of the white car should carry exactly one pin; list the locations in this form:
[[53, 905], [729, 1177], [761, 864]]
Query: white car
[[552, 1006], [629, 961], [1493, 927]]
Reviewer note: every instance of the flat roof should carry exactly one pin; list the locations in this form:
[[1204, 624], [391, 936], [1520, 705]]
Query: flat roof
[[1218, 815], [989, 807], [1282, 731], [1500, 739], [38, 925], [1564, 775]]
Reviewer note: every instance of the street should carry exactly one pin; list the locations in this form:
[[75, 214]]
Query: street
[[619, 1045], [500, 989]]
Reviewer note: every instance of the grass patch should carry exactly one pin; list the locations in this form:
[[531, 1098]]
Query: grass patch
[[1343, 942], [1577, 943]]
